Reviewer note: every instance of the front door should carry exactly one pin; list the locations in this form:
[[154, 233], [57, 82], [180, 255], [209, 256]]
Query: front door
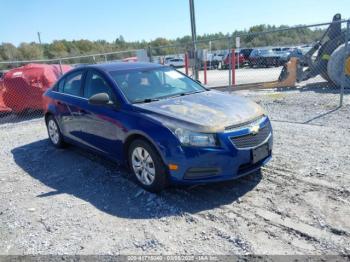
[[100, 124]]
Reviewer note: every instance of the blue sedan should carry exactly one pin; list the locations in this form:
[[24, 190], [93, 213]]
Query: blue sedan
[[165, 126]]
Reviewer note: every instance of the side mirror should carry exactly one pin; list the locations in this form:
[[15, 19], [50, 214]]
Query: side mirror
[[100, 99]]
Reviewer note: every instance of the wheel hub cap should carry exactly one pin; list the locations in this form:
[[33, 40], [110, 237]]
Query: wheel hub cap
[[143, 166], [53, 132]]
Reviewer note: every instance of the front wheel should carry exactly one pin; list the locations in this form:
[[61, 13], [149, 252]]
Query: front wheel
[[147, 166]]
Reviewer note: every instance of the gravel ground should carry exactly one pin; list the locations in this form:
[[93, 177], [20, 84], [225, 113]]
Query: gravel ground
[[73, 202]]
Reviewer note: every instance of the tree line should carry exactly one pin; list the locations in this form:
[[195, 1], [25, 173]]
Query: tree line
[[252, 37]]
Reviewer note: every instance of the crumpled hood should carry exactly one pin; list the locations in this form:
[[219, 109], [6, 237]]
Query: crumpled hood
[[210, 111]]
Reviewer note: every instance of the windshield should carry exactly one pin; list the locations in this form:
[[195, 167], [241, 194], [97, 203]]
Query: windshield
[[145, 86]]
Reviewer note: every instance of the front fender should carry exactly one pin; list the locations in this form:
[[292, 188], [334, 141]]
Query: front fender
[[158, 135]]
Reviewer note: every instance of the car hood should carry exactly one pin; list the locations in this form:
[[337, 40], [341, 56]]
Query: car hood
[[209, 112]]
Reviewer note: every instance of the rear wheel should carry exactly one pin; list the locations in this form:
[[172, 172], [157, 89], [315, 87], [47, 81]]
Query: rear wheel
[[54, 132], [147, 166]]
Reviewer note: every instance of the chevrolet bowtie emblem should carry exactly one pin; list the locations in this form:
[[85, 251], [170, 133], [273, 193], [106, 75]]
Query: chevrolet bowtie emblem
[[254, 130]]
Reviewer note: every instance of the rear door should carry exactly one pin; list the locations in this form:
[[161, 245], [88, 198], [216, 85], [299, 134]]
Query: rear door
[[100, 124], [68, 98]]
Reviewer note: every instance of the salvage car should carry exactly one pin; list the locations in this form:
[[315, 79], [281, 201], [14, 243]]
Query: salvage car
[[25, 85], [165, 126]]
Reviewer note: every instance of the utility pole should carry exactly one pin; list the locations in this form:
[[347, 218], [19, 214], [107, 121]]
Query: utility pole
[[194, 39], [39, 38]]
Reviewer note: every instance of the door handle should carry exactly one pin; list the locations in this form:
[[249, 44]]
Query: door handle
[[59, 103]]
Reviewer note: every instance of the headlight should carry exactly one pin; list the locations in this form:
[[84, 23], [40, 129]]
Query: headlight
[[190, 138]]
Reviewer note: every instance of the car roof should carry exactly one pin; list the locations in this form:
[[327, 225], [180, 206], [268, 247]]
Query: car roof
[[122, 66]]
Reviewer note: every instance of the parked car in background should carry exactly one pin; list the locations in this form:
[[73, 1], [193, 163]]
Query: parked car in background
[[304, 48], [283, 49], [165, 126], [246, 53], [175, 62], [211, 62], [167, 58], [218, 56], [25, 85], [283, 57], [264, 57], [239, 58]]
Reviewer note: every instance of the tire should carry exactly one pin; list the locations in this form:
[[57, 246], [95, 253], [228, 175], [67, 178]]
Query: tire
[[54, 132], [328, 48], [152, 174], [335, 66]]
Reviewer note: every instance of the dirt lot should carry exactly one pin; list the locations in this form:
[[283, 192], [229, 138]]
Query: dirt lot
[[72, 202]]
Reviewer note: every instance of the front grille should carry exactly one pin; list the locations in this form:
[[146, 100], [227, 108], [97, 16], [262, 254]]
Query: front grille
[[252, 140], [254, 121]]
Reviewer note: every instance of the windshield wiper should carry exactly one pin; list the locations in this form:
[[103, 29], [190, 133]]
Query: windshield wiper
[[185, 94], [146, 100], [149, 100]]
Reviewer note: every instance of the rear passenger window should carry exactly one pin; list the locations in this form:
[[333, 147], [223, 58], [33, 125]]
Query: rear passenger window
[[71, 84]]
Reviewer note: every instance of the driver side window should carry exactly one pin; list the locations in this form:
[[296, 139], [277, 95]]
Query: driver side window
[[95, 84]]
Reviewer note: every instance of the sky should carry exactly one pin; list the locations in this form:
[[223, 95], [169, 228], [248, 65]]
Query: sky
[[20, 20]]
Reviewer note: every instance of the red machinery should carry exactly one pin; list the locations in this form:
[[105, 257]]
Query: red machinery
[[25, 85], [3, 108]]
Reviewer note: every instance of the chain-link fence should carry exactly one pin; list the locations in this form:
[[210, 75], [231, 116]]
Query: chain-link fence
[[302, 69]]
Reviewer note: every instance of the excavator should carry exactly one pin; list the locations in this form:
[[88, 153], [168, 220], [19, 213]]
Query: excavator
[[329, 61]]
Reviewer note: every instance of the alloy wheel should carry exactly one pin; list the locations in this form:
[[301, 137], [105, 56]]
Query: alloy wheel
[[143, 166], [53, 131]]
